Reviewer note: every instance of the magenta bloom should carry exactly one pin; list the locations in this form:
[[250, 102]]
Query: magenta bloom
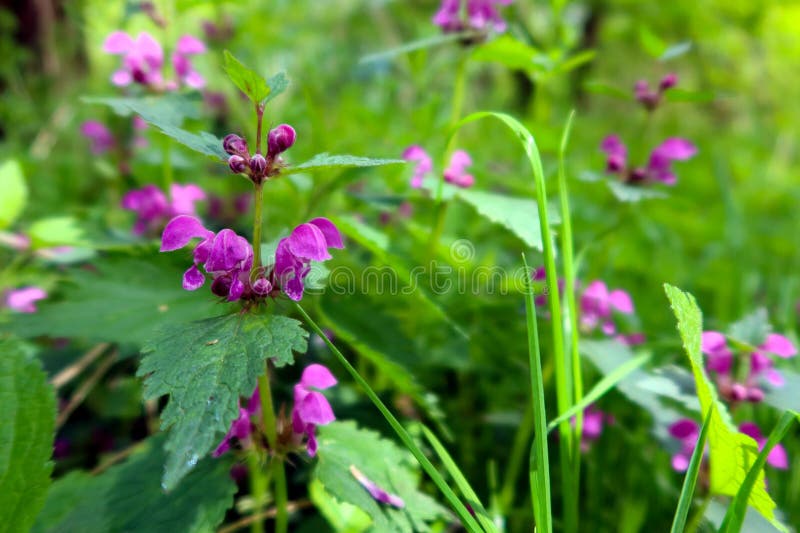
[[225, 256], [100, 137], [188, 46], [142, 59], [424, 164], [481, 15], [687, 431], [659, 166], [650, 98], [777, 456], [242, 427], [455, 172], [307, 242], [153, 209], [593, 422], [375, 491], [311, 408], [597, 305], [24, 300]]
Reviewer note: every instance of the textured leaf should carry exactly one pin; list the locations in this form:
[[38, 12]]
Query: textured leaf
[[519, 215], [731, 453], [129, 497], [326, 161], [26, 436], [342, 444], [252, 83], [122, 299], [751, 329], [633, 193], [205, 367], [167, 114], [277, 84], [15, 192]]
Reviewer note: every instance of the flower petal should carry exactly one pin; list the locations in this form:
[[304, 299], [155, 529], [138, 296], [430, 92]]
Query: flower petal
[[188, 45], [779, 345], [315, 409], [332, 236], [118, 42], [193, 279], [180, 231], [621, 301], [317, 376], [308, 242], [184, 196], [676, 149]]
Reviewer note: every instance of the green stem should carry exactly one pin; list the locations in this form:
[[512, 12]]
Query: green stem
[[281, 497], [258, 214], [271, 432], [258, 488], [260, 120], [466, 518]]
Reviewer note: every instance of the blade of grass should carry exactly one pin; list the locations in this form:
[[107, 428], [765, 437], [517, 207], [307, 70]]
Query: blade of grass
[[734, 517], [460, 481], [604, 385], [690, 481], [539, 456], [461, 510], [564, 380]]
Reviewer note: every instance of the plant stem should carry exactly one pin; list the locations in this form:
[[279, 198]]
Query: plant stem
[[260, 120], [271, 432], [258, 214], [258, 488], [281, 497]]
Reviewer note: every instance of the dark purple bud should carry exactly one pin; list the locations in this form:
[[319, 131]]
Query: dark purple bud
[[235, 145], [262, 286], [258, 165], [221, 286], [280, 139], [669, 81], [237, 164]]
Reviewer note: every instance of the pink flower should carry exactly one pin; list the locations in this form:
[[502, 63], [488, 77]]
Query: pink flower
[[687, 431], [593, 422], [311, 408], [455, 172], [242, 427], [650, 99], [188, 46], [308, 242], [24, 300], [597, 305], [659, 166], [424, 164], [482, 15], [100, 137], [142, 58], [153, 209], [777, 456]]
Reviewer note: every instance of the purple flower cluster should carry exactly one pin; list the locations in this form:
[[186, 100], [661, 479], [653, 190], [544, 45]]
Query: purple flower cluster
[[455, 173], [258, 167], [481, 15], [597, 305], [659, 166], [311, 408], [143, 59], [153, 209], [736, 386], [650, 98], [24, 300], [100, 137], [307, 242]]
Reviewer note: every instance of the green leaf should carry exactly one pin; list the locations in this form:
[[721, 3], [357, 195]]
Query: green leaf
[[167, 113], [731, 453], [651, 43], [56, 231], [676, 50], [518, 215], [421, 44], [253, 84], [129, 497], [633, 193], [122, 299], [26, 436], [15, 192], [785, 397], [205, 367], [326, 161], [342, 516], [342, 444], [511, 53], [752, 329]]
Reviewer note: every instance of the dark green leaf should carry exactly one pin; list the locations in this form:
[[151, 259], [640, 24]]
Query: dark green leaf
[[129, 497], [26, 436], [205, 367], [342, 445], [325, 161]]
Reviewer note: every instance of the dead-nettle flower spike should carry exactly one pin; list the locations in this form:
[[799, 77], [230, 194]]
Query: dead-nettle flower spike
[[651, 99], [280, 139], [375, 491], [311, 408], [659, 166], [153, 209]]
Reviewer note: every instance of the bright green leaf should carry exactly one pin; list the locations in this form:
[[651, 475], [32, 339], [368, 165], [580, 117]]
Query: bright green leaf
[[26, 436], [342, 516], [205, 367], [678, 95], [129, 497], [731, 453], [253, 84], [14, 192], [509, 52], [56, 231], [327, 161], [342, 445], [651, 43]]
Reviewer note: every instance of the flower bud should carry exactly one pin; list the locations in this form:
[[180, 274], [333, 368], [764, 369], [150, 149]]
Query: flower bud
[[258, 165], [738, 392], [221, 286], [237, 164], [280, 139], [755, 395], [262, 286], [235, 145], [669, 81]]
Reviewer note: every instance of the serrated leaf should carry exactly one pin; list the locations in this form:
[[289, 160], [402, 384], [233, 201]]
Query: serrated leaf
[[167, 114], [246, 79], [56, 231], [15, 192], [518, 215], [326, 161], [342, 444], [26, 436], [751, 329], [277, 84], [731, 453], [205, 367], [122, 299], [129, 497], [633, 193]]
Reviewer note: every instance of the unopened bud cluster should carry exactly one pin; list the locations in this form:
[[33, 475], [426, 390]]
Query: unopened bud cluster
[[649, 98], [257, 166]]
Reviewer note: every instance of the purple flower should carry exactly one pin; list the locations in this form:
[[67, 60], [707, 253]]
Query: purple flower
[[225, 256], [280, 139], [24, 300], [659, 166], [242, 427], [482, 15], [142, 59], [100, 137], [649, 98], [424, 164], [456, 174], [307, 242], [188, 46], [597, 305], [687, 431], [311, 408], [375, 491], [153, 208], [593, 422], [777, 456]]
